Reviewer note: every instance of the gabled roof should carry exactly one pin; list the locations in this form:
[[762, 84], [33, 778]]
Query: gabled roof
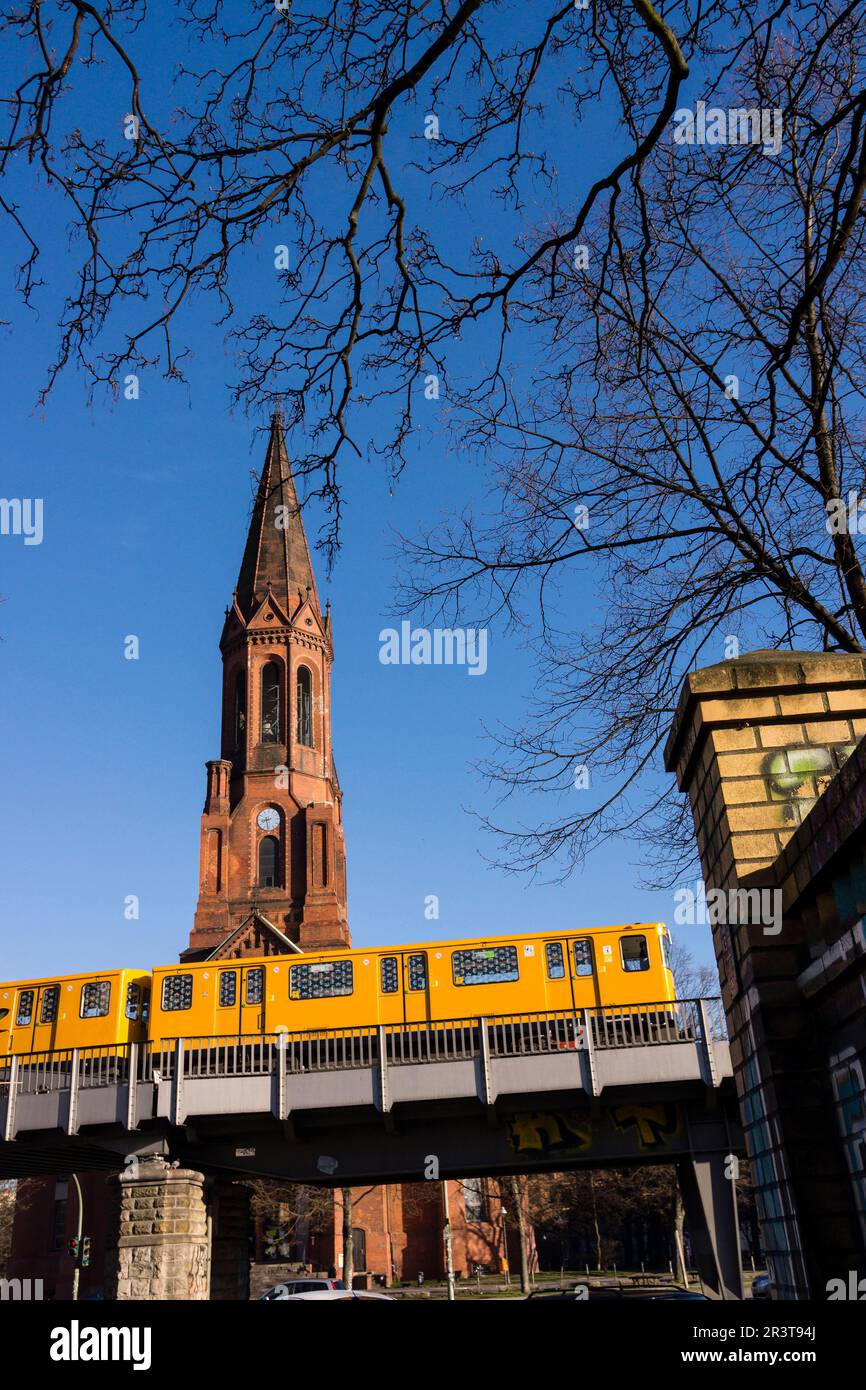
[[253, 928]]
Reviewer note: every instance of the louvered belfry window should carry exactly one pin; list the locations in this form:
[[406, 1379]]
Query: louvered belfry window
[[305, 707], [271, 703]]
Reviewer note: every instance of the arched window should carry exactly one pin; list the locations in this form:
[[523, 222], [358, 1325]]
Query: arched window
[[271, 703], [240, 707], [305, 707], [269, 862]]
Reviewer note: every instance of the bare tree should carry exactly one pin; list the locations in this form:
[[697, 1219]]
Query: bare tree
[[692, 981], [7, 1220], [674, 343], [687, 453], [518, 1200], [300, 118]]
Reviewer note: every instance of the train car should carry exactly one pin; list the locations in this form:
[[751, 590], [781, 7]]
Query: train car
[[534, 972], [64, 1011]]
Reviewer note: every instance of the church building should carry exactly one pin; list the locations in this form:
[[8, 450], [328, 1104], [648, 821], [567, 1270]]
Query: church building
[[272, 881]]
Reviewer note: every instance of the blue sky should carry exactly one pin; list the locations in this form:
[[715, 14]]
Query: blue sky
[[146, 505]]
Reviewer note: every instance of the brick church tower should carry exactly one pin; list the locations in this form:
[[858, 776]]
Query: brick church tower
[[273, 861]]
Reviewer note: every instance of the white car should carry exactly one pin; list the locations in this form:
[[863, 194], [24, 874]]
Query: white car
[[335, 1295], [290, 1287]]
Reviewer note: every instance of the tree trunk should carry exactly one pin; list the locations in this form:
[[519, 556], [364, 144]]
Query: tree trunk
[[678, 1221], [517, 1198], [595, 1225], [348, 1243]]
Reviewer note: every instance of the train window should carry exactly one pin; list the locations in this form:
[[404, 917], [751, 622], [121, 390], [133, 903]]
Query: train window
[[25, 1007], [95, 999], [228, 988], [633, 950], [176, 993], [496, 965], [389, 975], [255, 985], [583, 957], [50, 1001], [665, 944], [145, 1006], [417, 972], [555, 960], [133, 1001], [321, 981]]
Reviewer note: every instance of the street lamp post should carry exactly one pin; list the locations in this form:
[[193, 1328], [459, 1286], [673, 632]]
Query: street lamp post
[[76, 1273], [449, 1253]]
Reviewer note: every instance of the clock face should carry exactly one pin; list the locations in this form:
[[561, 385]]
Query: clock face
[[268, 819]]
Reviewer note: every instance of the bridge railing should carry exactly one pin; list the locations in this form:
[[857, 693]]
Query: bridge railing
[[335, 1049], [681, 1020]]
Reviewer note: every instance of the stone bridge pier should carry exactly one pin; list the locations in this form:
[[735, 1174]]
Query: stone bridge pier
[[178, 1235]]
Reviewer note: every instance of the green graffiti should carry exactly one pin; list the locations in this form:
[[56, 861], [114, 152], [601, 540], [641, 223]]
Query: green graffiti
[[788, 769]]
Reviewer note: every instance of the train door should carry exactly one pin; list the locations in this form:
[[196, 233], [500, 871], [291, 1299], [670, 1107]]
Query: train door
[[558, 983], [45, 1017], [416, 987], [240, 1001], [390, 987], [252, 999], [227, 1017], [584, 967], [35, 1023]]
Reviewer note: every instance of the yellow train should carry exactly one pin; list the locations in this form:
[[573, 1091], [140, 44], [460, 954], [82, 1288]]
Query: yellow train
[[535, 972]]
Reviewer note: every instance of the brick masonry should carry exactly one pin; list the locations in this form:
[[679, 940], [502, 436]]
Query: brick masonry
[[760, 745]]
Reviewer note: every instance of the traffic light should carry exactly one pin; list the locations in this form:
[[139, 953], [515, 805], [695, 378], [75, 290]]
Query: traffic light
[[85, 1253], [72, 1247]]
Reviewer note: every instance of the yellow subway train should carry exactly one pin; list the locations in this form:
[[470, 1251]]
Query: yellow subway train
[[529, 973]]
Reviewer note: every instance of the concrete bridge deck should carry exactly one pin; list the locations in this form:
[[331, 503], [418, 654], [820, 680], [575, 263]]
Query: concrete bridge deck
[[522, 1093]]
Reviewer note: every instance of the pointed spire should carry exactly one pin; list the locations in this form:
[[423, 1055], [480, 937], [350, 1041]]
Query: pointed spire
[[277, 556]]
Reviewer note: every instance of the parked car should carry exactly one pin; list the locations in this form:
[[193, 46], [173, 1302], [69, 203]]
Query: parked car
[[761, 1286], [336, 1296], [579, 1294], [292, 1287]]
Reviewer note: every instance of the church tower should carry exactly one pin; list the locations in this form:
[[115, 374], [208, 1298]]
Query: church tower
[[273, 861]]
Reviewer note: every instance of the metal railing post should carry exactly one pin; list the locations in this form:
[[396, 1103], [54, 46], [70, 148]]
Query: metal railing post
[[594, 1088], [72, 1117], [177, 1116], [9, 1131], [384, 1096], [282, 1082], [132, 1082], [487, 1095], [706, 1044]]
